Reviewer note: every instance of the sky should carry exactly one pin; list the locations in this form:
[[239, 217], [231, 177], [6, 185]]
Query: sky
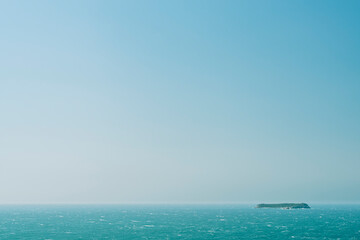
[[179, 101]]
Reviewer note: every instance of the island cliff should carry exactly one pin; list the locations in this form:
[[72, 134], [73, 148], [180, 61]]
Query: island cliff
[[283, 205]]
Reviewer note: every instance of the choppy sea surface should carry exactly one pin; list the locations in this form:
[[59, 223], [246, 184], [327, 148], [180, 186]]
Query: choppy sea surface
[[178, 222]]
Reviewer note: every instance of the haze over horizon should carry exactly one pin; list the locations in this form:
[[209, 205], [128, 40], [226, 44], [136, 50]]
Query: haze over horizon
[[179, 101]]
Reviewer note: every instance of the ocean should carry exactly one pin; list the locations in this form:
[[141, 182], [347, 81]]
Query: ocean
[[177, 222]]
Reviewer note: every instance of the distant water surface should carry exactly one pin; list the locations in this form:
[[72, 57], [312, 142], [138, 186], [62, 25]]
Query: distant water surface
[[178, 222]]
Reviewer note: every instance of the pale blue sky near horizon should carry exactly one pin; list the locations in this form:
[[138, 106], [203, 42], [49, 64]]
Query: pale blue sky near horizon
[[179, 101]]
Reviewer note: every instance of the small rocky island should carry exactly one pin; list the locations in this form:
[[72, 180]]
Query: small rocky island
[[283, 205]]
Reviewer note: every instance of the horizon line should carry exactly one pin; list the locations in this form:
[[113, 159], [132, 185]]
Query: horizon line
[[178, 203]]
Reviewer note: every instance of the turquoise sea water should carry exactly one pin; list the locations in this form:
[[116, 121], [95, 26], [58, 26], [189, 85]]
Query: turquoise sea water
[[178, 222]]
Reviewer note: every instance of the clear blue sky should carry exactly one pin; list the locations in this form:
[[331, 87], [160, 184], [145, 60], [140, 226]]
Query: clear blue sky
[[179, 101]]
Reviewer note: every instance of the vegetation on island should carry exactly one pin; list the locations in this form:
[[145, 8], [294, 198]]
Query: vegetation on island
[[283, 205]]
